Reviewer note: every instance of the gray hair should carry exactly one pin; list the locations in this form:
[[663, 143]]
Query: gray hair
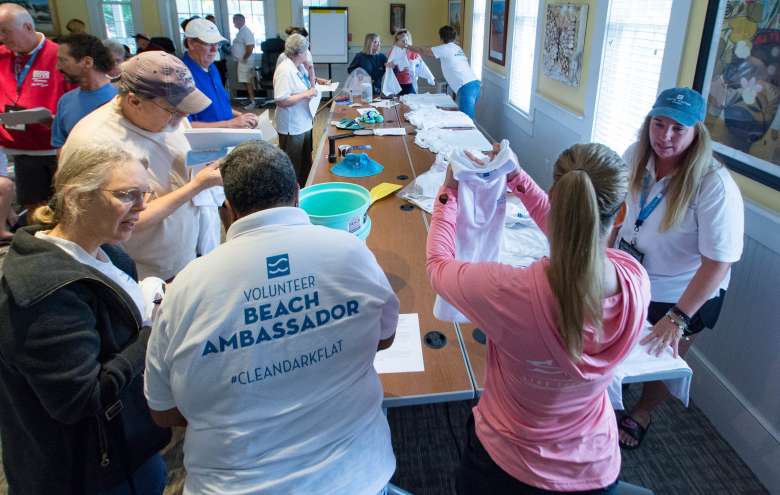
[[19, 14], [83, 172], [295, 45], [257, 176], [114, 47]]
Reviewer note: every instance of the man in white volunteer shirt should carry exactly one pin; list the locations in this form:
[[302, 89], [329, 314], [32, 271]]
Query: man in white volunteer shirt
[[242, 47], [456, 69], [264, 348]]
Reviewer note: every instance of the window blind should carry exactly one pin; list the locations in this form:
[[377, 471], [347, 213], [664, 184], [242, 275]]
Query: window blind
[[630, 69], [523, 48]]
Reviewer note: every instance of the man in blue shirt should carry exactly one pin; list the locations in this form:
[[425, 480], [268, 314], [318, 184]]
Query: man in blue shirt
[[201, 40], [84, 60]]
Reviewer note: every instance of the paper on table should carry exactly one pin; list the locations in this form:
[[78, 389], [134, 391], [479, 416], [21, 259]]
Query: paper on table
[[390, 131], [405, 355], [22, 117], [363, 111], [385, 104], [328, 87]]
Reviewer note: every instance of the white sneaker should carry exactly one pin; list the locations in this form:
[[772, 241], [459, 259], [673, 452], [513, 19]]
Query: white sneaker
[[251, 106]]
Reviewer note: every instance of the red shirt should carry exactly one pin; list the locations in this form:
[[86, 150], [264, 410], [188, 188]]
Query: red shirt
[[42, 87], [405, 76]]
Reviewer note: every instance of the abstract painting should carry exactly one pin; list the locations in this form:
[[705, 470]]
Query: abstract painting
[[564, 37]]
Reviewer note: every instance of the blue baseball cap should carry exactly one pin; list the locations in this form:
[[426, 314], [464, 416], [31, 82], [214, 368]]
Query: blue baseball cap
[[684, 105]]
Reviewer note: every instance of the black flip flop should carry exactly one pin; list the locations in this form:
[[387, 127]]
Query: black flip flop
[[633, 429]]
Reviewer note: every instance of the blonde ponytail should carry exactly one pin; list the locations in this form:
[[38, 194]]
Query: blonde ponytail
[[589, 188]]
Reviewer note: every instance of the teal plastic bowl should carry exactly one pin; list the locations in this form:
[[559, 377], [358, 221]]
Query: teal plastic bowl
[[338, 205]]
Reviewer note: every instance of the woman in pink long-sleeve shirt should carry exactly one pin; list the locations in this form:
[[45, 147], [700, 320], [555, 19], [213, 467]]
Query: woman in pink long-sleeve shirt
[[556, 331]]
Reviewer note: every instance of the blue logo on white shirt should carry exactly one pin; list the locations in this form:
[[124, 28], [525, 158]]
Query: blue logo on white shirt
[[278, 266]]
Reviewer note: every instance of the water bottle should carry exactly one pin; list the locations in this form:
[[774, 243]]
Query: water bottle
[[367, 92]]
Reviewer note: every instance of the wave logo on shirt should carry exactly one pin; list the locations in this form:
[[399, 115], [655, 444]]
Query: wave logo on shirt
[[278, 266]]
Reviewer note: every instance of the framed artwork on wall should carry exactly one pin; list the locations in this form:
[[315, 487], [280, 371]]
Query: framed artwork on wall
[[43, 13], [455, 17], [397, 17], [738, 72], [499, 20], [564, 39]]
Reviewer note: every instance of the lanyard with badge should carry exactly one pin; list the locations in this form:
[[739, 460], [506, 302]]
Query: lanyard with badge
[[21, 75], [645, 209], [305, 78]]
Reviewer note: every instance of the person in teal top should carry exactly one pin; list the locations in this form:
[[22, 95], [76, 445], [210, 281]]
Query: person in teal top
[[84, 60]]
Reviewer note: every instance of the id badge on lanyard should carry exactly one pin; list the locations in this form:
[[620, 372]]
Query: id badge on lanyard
[[20, 77], [644, 212]]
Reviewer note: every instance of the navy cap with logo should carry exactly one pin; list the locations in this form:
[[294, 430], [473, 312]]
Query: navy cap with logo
[[684, 105]]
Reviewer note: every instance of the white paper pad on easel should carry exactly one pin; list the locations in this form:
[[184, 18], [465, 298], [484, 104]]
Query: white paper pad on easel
[[405, 355]]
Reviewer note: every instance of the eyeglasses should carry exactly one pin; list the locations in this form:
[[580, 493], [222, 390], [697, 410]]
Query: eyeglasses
[[130, 196], [173, 113]]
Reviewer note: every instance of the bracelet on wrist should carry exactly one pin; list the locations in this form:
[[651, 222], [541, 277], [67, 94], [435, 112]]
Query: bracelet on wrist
[[684, 317], [681, 325]]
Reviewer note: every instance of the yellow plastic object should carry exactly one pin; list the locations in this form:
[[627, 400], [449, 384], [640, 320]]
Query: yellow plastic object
[[384, 189]]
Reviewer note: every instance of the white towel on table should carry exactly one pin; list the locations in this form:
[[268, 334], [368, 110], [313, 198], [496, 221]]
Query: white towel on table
[[640, 366]]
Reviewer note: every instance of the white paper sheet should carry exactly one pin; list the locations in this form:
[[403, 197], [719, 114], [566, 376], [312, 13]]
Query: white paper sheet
[[363, 111], [327, 87], [22, 117], [390, 131], [385, 104], [405, 355], [218, 138]]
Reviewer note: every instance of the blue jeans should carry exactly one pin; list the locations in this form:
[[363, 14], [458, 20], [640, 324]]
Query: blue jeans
[[149, 479], [468, 94]]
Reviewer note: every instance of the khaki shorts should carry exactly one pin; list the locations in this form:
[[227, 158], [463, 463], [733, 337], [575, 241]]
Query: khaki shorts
[[246, 72]]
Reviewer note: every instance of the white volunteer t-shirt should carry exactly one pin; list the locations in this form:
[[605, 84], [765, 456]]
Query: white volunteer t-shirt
[[454, 65], [244, 37], [266, 347], [289, 81], [713, 227]]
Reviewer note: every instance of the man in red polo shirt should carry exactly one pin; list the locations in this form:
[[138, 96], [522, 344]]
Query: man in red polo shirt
[[28, 79]]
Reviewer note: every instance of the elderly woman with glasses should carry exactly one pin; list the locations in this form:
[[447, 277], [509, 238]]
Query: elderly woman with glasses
[[74, 326], [294, 87]]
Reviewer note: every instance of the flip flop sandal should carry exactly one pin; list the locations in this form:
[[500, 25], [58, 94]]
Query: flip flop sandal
[[633, 429]]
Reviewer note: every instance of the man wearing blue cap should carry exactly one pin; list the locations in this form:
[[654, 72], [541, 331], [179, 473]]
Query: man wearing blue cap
[[684, 223]]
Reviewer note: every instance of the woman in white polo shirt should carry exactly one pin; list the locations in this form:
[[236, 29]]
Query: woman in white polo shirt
[[684, 223], [293, 90]]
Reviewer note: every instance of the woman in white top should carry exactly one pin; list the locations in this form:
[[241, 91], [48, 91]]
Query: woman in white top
[[684, 223], [293, 91]]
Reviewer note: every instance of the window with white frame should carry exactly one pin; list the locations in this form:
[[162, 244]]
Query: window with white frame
[[186, 9], [254, 13], [521, 73], [118, 21], [478, 37], [630, 69]]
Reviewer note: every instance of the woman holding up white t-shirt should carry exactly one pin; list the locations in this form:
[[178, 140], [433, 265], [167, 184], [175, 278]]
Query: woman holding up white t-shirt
[[456, 69], [684, 223]]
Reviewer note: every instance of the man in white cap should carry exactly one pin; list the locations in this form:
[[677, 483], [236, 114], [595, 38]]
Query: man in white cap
[[147, 119], [202, 39]]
